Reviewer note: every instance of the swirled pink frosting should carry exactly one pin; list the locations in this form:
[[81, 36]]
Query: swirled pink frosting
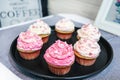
[[87, 47], [60, 53], [29, 41], [89, 31]]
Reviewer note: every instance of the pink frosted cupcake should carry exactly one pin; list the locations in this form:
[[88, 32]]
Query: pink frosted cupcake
[[29, 45], [64, 28], [86, 51], [59, 57], [42, 29], [89, 31]]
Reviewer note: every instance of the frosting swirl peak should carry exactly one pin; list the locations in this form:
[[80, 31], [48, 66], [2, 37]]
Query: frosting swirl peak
[[60, 53], [87, 47], [29, 41], [65, 25], [40, 27], [89, 31]]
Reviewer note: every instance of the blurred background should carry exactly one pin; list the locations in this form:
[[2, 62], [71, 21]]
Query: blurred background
[[17, 11], [85, 8]]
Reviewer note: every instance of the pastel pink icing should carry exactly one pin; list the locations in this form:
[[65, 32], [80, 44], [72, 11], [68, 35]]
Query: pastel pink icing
[[89, 31], [87, 47], [29, 41], [60, 53]]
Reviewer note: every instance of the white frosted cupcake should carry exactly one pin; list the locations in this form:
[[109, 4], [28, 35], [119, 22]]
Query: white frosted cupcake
[[89, 31], [42, 29], [64, 28], [86, 51]]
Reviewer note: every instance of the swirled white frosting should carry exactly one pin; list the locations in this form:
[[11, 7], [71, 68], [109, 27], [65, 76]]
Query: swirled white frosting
[[40, 27], [65, 25], [89, 31], [87, 48]]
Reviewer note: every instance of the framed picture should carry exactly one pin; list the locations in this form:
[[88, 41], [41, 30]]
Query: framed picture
[[108, 17], [18, 11]]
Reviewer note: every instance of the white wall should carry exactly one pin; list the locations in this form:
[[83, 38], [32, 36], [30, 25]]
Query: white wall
[[86, 8]]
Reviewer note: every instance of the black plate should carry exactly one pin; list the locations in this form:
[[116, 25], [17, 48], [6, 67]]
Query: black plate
[[38, 67]]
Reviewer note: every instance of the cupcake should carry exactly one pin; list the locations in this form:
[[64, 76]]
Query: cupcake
[[29, 45], [86, 51], [89, 31], [42, 29], [59, 57], [64, 29]]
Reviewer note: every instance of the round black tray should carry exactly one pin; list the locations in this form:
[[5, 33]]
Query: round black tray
[[38, 67]]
